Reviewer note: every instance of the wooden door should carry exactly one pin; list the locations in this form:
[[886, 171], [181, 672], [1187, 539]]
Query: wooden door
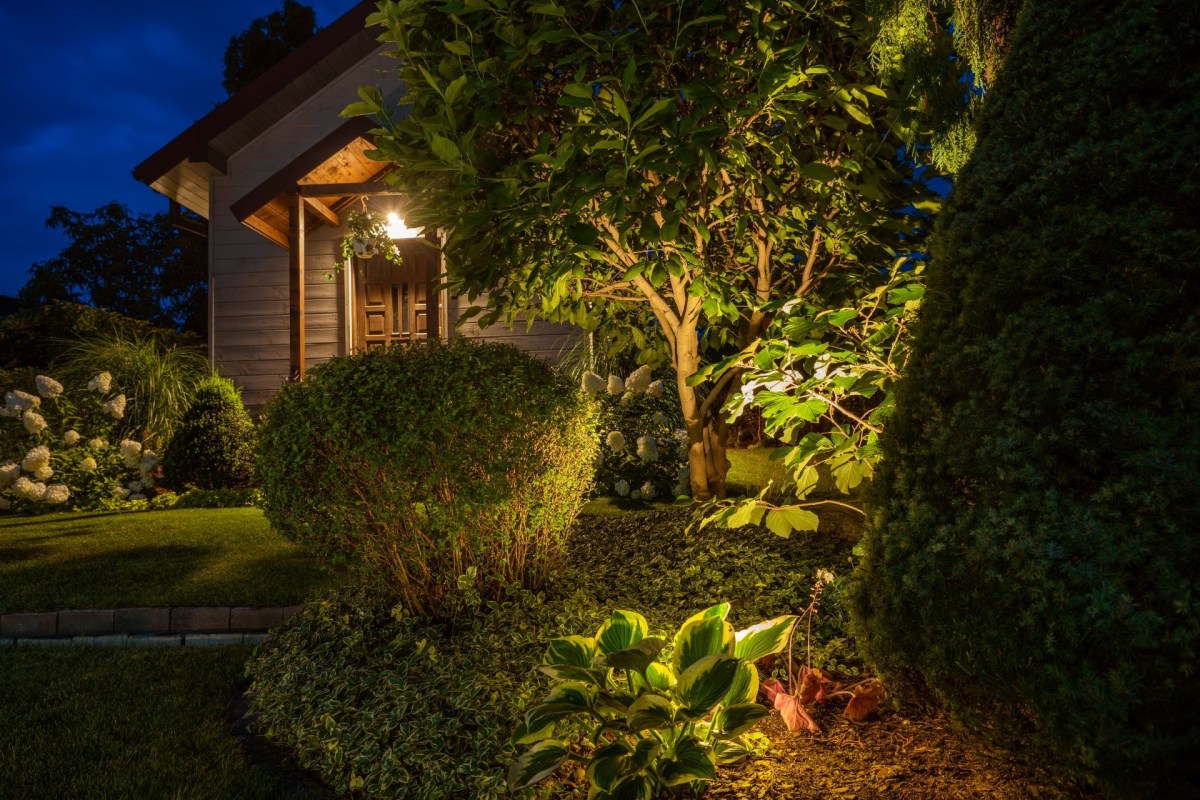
[[394, 303]]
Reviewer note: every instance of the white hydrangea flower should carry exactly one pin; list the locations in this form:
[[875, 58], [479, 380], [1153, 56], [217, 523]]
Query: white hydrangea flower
[[659, 418], [88, 464], [34, 422], [639, 379], [615, 385], [5, 504], [627, 399], [56, 494], [17, 401], [597, 461], [131, 451], [122, 492], [592, 383], [71, 437], [29, 490], [47, 386], [648, 491], [97, 443], [655, 389], [621, 488], [615, 440], [647, 448], [43, 473], [35, 459], [147, 464], [681, 436], [9, 472], [101, 383], [115, 407]]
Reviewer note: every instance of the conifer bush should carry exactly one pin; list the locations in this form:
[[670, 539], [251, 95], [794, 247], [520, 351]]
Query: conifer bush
[[430, 467], [1032, 553], [213, 445]]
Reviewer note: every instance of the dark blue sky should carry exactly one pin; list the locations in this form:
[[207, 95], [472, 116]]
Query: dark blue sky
[[92, 88]]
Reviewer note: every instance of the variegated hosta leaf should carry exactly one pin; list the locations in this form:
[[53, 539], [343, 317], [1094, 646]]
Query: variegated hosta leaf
[[575, 651], [730, 752], [692, 762], [764, 638], [621, 630], [565, 699], [703, 684], [569, 673], [650, 712], [660, 675], [536, 763], [733, 720], [745, 685], [633, 787], [524, 735], [706, 636], [637, 657], [719, 610], [609, 764]]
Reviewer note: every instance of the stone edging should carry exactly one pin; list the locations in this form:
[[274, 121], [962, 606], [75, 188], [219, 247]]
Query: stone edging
[[174, 625]]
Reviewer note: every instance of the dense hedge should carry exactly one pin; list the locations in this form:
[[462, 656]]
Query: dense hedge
[[213, 444], [1033, 552], [428, 465], [405, 709]]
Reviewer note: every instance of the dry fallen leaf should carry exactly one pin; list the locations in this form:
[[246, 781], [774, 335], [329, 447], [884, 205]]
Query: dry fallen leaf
[[867, 697]]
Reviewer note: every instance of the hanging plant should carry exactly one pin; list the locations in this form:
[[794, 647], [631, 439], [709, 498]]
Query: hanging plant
[[367, 236]]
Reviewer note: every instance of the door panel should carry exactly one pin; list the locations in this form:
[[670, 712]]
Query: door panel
[[392, 302]]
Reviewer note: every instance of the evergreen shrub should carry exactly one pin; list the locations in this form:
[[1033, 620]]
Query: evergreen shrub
[[1033, 551], [430, 465], [213, 444]]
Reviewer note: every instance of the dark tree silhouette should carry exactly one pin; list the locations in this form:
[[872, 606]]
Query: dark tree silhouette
[[268, 39]]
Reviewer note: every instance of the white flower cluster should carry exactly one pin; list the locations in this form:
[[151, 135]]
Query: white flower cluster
[[9, 472], [34, 422], [615, 440], [647, 448], [71, 438], [115, 407], [131, 451], [17, 402], [28, 490], [683, 481], [101, 383], [48, 387], [36, 459]]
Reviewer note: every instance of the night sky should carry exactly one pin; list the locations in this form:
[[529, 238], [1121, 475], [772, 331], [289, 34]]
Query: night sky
[[93, 88]]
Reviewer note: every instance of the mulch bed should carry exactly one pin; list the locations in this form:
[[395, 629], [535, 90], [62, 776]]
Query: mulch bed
[[915, 755]]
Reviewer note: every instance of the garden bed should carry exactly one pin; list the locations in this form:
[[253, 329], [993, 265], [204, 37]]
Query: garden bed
[[192, 557]]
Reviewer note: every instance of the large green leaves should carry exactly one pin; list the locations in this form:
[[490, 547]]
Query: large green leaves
[[565, 699], [703, 684], [705, 634], [621, 630], [733, 720], [650, 712], [763, 639], [536, 763], [693, 761]]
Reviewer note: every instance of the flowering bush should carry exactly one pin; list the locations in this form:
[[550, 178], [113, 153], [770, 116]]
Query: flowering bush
[[45, 462], [643, 452]]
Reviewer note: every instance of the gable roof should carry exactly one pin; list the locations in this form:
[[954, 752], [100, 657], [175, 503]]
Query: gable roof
[[181, 169]]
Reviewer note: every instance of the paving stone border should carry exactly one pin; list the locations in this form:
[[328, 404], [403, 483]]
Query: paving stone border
[[146, 627]]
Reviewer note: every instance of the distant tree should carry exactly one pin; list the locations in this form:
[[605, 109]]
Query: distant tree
[[139, 265], [268, 39]]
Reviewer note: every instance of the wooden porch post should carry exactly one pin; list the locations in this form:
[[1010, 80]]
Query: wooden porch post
[[296, 286]]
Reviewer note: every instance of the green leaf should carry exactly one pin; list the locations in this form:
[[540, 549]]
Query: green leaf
[[458, 47], [745, 685], [703, 684], [549, 9], [763, 639], [565, 699], [700, 637], [818, 172], [650, 712], [658, 107], [583, 233], [523, 735], [692, 762], [660, 676], [736, 719], [455, 89], [782, 521], [637, 657], [358, 110], [571, 650], [729, 752], [536, 763], [747, 513], [621, 630], [583, 90], [445, 149]]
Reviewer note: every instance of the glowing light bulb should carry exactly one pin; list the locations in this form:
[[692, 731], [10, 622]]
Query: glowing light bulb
[[396, 229]]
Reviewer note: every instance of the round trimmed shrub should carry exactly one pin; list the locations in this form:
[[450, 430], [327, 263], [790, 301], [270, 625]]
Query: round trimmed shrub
[[430, 466], [1033, 551], [213, 446]]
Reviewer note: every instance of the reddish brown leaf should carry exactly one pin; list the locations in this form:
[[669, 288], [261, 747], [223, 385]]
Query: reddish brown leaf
[[812, 686], [771, 689], [794, 715], [866, 699]]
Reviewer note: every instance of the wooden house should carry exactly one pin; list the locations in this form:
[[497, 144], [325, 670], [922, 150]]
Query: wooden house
[[273, 170]]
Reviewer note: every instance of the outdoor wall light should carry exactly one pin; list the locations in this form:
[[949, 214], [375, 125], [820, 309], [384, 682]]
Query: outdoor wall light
[[396, 229]]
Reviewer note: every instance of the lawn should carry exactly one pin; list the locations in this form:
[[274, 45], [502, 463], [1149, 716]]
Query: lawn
[[86, 723], [157, 558]]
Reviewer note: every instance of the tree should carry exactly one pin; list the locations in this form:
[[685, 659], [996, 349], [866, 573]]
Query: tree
[[1032, 553], [264, 44], [139, 265], [695, 166]]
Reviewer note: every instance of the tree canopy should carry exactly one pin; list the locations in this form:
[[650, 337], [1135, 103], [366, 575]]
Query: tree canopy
[[268, 39], [686, 169], [139, 265]]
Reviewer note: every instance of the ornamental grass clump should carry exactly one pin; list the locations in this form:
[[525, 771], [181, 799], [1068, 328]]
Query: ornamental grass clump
[[427, 466]]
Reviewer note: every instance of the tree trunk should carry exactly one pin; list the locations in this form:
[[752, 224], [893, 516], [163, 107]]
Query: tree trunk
[[707, 433]]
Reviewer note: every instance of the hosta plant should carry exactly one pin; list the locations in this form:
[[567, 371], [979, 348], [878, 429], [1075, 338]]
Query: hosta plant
[[644, 725]]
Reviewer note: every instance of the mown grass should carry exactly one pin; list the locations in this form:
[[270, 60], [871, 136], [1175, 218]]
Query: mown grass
[[84, 723], [227, 556]]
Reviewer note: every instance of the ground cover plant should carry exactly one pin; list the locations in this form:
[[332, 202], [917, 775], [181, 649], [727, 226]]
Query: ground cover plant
[[119, 724], [180, 557], [430, 468], [1033, 552]]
